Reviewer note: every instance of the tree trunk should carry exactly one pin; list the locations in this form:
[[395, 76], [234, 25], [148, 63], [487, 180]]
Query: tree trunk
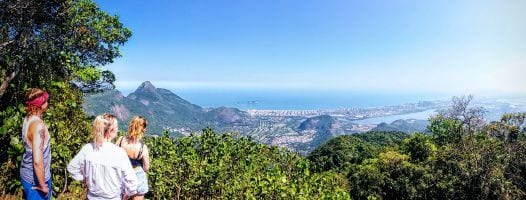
[[178, 195], [65, 180]]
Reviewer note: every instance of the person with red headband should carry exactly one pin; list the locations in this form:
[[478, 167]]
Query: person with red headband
[[35, 171]]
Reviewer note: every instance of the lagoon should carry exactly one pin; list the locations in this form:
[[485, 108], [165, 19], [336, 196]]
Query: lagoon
[[424, 115]]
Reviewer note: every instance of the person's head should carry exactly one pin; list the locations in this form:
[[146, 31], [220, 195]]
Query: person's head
[[104, 127], [36, 101], [137, 127]]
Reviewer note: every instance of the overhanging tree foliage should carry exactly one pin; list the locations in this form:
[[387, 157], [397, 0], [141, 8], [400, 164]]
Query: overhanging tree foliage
[[45, 41], [60, 46]]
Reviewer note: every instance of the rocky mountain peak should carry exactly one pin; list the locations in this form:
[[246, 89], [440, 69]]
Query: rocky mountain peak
[[146, 87], [147, 92]]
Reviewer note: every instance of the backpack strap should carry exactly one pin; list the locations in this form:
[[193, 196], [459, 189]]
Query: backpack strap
[[120, 143]]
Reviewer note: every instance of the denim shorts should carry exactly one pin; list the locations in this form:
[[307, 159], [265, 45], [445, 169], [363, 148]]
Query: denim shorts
[[142, 188], [31, 193]]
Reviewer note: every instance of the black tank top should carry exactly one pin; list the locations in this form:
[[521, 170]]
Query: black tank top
[[135, 162]]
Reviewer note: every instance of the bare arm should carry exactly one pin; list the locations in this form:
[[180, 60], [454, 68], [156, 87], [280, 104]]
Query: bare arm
[[36, 129], [145, 159]]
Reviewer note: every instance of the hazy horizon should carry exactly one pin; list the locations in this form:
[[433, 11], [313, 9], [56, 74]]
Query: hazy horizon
[[299, 99], [129, 87], [465, 47]]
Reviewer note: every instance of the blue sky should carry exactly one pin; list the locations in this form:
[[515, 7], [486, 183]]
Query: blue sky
[[454, 47]]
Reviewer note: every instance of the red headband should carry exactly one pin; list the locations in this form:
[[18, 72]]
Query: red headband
[[39, 101]]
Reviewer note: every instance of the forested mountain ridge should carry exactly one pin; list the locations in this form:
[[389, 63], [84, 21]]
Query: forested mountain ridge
[[162, 108], [407, 126]]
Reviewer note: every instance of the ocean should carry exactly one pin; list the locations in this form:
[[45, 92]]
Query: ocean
[[329, 100], [298, 99]]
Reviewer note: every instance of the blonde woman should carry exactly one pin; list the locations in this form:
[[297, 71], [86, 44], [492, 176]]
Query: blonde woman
[[102, 165], [137, 153], [35, 172]]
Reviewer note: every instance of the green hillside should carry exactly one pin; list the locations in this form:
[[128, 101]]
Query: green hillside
[[162, 108], [459, 159], [406, 126]]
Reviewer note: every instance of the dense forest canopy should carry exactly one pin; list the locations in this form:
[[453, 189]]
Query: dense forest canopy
[[464, 157]]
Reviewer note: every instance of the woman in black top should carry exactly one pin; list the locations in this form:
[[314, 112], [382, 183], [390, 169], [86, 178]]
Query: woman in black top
[[137, 152]]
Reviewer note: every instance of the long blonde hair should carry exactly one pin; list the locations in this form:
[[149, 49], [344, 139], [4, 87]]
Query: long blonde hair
[[137, 127], [102, 128]]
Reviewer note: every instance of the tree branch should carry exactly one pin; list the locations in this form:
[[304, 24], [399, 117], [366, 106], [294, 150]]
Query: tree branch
[[65, 180], [3, 45], [7, 79]]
